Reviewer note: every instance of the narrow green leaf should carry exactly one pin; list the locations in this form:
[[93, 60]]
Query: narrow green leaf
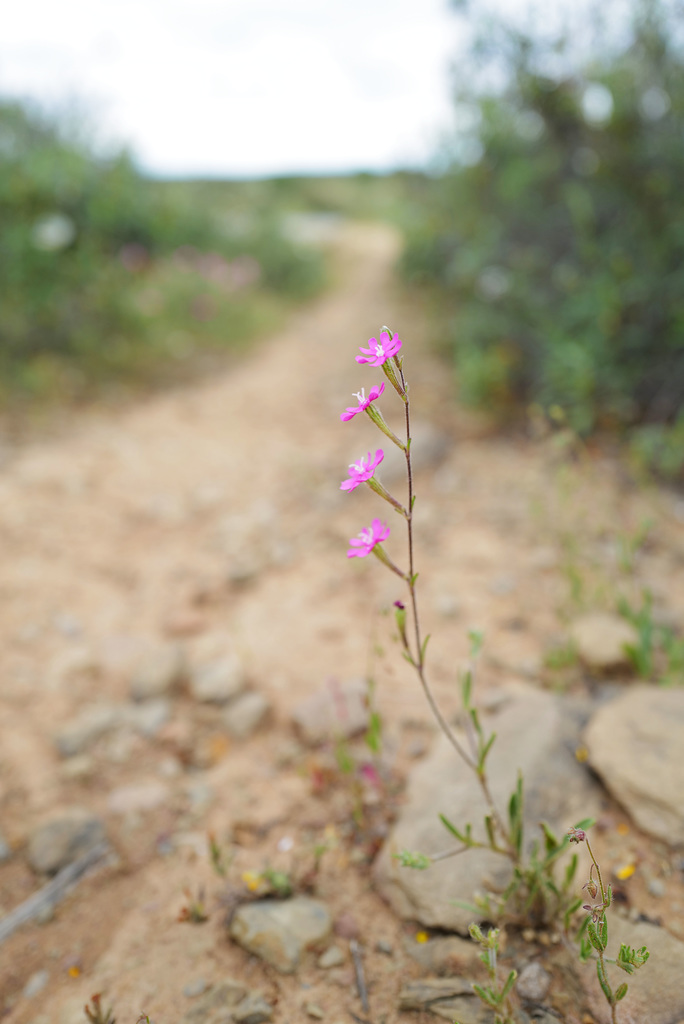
[[570, 870], [467, 688], [476, 638], [424, 647], [603, 931], [570, 910], [510, 980], [452, 828], [603, 982], [550, 839], [594, 937], [621, 992], [487, 996], [489, 825], [466, 906], [485, 750]]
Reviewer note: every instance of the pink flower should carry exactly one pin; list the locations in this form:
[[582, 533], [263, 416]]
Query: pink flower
[[378, 352], [364, 402], [362, 470], [367, 539]]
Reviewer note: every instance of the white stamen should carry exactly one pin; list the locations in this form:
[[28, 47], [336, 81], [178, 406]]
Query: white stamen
[[360, 395]]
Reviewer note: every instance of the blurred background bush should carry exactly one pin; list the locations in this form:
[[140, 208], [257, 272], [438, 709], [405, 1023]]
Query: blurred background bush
[[110, 279], [554, 242], [549, 238]]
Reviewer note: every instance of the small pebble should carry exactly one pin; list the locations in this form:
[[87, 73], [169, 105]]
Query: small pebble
[[333, 957], [382, 946], [195, 988], [36, 984], [314, 1010], [656, 887]]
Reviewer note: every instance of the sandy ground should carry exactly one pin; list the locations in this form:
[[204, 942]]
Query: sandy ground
[[215, 511]]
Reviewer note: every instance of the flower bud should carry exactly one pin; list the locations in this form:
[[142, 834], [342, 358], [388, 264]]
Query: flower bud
[[577, 835]]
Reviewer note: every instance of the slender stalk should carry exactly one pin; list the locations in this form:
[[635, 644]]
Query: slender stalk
[[598, 871], [604, 902], [418, 660]]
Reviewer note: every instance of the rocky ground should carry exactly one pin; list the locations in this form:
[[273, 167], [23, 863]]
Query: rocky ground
[[186, 653]]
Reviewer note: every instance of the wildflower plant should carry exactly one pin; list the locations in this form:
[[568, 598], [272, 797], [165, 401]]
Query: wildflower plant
[[535, 894], [533, 884], [593, 933]]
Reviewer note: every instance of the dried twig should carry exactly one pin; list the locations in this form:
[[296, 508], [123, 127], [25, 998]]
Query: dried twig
[[355, 951], [54, 892]]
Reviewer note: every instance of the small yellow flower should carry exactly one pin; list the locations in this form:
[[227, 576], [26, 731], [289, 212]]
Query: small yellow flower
[[581, 754], [251, 879], [623, 830], [625, 872], [422, 937], [74, 971]]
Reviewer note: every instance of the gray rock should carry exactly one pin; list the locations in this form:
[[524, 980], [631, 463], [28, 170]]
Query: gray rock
[[450, 998], [635, 743], [245, 714], [655, 994], [62, 838], [279, 931], [36, 984], [157, 672], [533, 982], [601, 638], [87, 727], [448, 955], [217, 682], [148, 718], [336, 710], [216, 1005], [534, 737], [253, 1010], [333, 957]]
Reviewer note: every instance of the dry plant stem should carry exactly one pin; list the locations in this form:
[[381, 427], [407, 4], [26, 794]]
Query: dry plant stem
[[419, 660], [599, 953]]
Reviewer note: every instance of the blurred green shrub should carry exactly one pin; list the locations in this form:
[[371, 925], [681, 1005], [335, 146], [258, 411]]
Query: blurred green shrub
[[555, 242], [105, 276]]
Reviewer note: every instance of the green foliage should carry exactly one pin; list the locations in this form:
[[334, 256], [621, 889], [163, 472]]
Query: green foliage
[[418, 861], [558, 253], [659, 652], [496, 995], [105, 276], [630, 960]]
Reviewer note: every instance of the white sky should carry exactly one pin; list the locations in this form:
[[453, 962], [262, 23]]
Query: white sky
[[242, 87]]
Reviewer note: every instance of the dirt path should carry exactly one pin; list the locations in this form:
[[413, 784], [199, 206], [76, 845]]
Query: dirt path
[[214, 514]]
